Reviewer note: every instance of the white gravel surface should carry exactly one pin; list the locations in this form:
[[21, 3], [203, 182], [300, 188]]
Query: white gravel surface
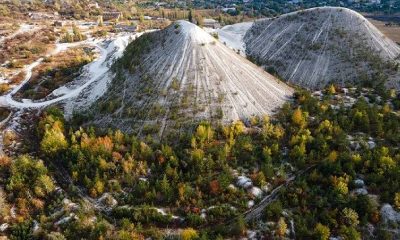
[[318, 46], [210, 77]]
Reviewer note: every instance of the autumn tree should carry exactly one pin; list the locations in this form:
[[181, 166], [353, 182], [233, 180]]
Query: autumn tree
[[298, 118], [321, 232], [54, 139], [199, 20], [331, 90], [189, 234], [4, 207], [281, 228], [204, 134], [397, 200], [30, 183], [350, 217]]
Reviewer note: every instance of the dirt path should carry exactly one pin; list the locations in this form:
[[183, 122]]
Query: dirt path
[[257, 210]]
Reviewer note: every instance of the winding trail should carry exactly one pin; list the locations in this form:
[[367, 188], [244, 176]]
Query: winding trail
[[92, 75], [23, 28], [8, 101], [94, 71]]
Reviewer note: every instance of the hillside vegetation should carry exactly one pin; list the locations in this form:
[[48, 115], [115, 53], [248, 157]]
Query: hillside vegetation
[[181, 75]]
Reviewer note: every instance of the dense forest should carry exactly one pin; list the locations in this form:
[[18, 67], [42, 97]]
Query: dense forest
[[345, 158]]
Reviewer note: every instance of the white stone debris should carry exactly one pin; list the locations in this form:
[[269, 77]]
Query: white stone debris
[[250, 204], [244, 182], [256, 192], [389, 215], [317, 46]]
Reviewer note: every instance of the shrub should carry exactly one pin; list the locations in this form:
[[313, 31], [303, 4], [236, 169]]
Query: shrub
[[189, 234]]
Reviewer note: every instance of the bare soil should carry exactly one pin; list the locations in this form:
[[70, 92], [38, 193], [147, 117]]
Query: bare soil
[[391, 30]]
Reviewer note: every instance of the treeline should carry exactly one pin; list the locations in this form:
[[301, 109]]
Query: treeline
[[197, 173], [326, 202]]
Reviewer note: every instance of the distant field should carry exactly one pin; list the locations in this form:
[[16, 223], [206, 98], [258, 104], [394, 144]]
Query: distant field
[[392, 31]]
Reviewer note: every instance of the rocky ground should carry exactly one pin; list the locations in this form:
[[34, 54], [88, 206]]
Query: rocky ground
[[186, 74], [314, 47]]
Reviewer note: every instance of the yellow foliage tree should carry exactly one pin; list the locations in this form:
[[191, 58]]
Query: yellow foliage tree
[[298, 118], [332, 156], [322, 232], [189, 234], [281, 228], [53, 140], [397, 200], [331, 89]]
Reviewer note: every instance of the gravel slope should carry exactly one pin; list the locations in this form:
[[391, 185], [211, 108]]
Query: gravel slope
[[317, 46], [232, 35], [185, 75]]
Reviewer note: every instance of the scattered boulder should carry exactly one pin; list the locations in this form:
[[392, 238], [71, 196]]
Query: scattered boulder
[[256, 192], [250, 204], [4, 227], [244, 182], [389, 215]]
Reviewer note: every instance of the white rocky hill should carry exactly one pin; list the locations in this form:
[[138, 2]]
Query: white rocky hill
[[232, 35], [318, 46], [180, 75]]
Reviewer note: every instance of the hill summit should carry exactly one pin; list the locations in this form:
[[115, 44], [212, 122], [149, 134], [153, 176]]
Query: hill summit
[[324, 45], [179, 75]]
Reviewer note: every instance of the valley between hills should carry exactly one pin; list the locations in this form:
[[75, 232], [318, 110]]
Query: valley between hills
[[174, 127]]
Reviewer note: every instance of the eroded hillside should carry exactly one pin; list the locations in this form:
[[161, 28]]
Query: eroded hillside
[[180, 75], [317, 46]]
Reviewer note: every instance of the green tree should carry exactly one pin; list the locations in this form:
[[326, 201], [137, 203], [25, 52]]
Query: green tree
[[29, 177], [55, 236], [349, 233], [273, 211], [54, 139], [44, 185], [165, 186], [350, 217], [22, 231], [240, 228], [322, 232], [190, 17]]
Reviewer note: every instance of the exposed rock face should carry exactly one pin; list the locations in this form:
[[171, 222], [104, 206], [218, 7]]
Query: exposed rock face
[[232, 35], [179, 75], [314, 47]]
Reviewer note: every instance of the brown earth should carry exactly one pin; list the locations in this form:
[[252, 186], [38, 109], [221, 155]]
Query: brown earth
[[392, 31]]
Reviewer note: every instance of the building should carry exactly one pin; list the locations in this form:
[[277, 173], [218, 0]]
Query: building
[[112, 16], [42, 15], [58, 24], [125, 28], [229, 9], [93, 5], [211, 23]]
